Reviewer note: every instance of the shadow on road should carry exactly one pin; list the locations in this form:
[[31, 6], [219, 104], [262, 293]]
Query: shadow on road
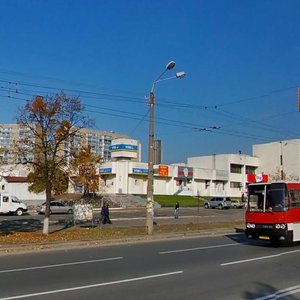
[[20, 225], [266, 291], [32, 225]]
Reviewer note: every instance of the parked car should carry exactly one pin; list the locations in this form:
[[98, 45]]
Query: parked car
[[218, 202], [56, 207], [238, 203]]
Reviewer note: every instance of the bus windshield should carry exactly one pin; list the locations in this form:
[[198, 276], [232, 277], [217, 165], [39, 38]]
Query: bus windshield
[[268, 197]]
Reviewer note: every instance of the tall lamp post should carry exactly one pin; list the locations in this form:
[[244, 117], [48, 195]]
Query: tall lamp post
[[150, 185]]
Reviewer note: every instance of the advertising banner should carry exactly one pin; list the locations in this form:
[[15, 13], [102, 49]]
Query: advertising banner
[[163, 171], [185, 172]]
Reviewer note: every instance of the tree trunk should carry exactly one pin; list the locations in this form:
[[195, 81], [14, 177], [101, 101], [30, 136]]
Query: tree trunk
[[47, 211]]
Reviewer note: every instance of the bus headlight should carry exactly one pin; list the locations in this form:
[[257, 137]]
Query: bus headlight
[[250, 225], [280, 226]]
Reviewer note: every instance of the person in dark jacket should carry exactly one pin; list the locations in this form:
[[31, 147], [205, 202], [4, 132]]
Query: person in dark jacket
[[105, 214], [176, 213]]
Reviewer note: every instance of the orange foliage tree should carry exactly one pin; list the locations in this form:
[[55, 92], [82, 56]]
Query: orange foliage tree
[[84, 166], [49, 123]]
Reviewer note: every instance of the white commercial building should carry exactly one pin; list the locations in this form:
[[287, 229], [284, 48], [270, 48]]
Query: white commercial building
[[281, 160], [212, 175], [222, 174]]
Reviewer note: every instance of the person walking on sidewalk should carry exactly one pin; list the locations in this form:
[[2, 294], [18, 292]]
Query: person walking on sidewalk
[[176, 213], [105, 214]]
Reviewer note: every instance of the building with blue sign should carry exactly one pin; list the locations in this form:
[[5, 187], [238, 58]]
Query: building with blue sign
[[212, 175]]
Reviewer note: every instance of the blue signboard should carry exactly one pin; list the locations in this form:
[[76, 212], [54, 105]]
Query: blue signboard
[[140, 171], [105, 170], [123, 147]]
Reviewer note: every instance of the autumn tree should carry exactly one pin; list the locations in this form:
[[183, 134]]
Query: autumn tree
[[60, 181], [281, 175], [50, 123], [84, 166]]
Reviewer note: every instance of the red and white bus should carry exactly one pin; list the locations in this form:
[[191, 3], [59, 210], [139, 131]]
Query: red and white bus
[[273, 212]]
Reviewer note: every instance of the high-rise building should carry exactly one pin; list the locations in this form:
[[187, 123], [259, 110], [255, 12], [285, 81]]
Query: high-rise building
[[157, 152], [98, 140]]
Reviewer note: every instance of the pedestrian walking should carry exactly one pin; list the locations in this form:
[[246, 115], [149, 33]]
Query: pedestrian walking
[[176, 213], [105, 214]]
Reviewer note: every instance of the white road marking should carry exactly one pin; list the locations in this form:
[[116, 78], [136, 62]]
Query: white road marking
[[60, 265], [91, 286], [281, 293], [200, 248], [249, 259], [259, 258]]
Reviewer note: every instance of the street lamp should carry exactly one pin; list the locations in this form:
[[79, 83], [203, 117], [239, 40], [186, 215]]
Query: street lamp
[[150, 186]]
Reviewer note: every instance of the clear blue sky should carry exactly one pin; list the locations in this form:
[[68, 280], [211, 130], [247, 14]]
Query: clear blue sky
[[242, 60]]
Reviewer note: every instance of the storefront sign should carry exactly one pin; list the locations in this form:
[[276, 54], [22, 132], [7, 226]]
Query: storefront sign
[[140, 171], [105, 171], [163, 171]]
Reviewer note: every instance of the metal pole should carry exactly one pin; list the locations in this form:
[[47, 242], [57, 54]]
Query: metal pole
[[149, 206], [281, 162]]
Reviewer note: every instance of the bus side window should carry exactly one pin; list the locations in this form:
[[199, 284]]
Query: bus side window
[[295, 198]]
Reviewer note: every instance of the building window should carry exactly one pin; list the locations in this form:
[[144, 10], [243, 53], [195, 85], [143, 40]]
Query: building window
[[207, 184], [236, 168], [250, 170], [235, 185]]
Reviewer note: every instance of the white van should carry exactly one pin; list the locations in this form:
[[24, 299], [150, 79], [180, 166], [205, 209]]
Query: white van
[[10, 204]]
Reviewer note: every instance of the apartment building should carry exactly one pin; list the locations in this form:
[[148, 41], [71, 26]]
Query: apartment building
[[98, 140]]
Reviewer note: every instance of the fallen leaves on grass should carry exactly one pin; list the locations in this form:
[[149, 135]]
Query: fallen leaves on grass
[[108, 233]]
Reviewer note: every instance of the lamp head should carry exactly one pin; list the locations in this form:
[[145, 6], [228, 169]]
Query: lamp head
[[170, 65], [180, 75]]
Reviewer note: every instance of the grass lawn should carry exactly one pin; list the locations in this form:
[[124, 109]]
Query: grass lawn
[[184, 201]]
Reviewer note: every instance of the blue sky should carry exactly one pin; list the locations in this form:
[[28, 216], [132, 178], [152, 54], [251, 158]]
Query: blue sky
[[241, 59]]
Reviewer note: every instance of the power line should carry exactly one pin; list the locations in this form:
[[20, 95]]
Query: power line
[[15, 87], [163, 121]]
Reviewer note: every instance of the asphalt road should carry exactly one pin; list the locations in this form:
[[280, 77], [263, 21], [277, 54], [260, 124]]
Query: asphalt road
[[224, 267]]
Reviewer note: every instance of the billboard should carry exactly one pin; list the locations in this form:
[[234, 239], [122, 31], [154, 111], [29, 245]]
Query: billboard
[[185, 173]]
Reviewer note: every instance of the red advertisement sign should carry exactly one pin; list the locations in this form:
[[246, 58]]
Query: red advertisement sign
[[163, 171]]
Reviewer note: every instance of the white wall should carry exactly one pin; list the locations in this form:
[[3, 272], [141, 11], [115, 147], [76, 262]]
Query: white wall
[[137, 184], [269, 157]]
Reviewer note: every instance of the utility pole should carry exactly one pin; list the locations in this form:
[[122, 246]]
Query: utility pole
[[150, 184], [150, 208], [281, 162]]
